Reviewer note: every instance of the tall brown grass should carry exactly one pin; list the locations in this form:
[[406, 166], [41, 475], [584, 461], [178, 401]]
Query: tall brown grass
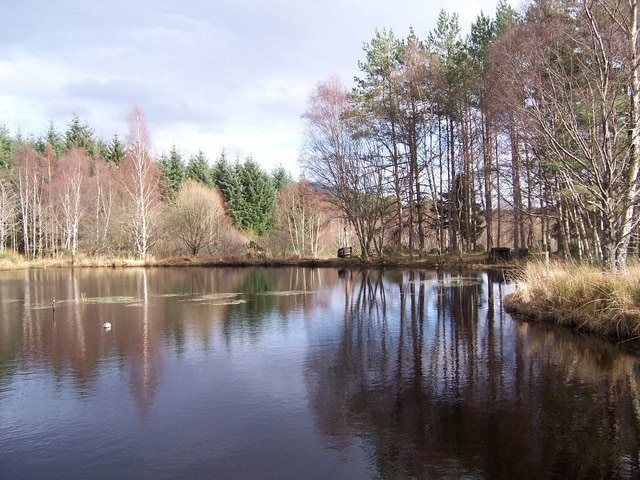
[[13, 261], [581, 297]]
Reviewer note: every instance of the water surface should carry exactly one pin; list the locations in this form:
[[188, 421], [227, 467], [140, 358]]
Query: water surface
[[301, 373]]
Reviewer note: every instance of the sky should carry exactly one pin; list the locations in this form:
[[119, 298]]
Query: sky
[[209, 75]]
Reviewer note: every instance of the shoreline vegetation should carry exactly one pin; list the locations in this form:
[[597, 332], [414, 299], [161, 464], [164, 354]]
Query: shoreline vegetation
[[583, 298], [11, 261]]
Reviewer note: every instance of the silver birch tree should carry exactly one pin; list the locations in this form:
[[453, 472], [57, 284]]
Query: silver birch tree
[[70, 192], [141, 175], [8, 210]]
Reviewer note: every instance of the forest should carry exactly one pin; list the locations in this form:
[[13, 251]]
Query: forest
[[522, 134], [71, 193]]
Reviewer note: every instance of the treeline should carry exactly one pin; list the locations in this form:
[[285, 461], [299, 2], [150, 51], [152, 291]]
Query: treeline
[[70, 193], [524, 134]]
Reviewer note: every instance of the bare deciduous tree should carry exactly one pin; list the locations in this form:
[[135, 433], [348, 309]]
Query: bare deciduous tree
[[197, 217], [141, 177], [302, 216], [69, 187], [8, 210], [579, 111], [103, 194], [338, 161], [29, 171]]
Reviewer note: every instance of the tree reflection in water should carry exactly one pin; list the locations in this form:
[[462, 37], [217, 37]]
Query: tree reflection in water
[[436, 381], [421, 369]]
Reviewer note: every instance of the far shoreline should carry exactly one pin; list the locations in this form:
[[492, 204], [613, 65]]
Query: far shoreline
[[433, 262]]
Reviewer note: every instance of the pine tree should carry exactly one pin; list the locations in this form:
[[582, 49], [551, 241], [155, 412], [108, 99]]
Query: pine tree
[[198, 169], [6, 147], [225, 177], [115, 151], [249, 192], [280, 178], [174, 169], [377, 95], [257, 199], [54, 138], [79, 134]]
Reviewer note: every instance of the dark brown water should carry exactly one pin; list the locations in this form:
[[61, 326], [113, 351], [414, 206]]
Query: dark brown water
[[301, 374]]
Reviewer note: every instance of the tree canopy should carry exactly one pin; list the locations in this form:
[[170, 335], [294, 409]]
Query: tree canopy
[[523, 133]]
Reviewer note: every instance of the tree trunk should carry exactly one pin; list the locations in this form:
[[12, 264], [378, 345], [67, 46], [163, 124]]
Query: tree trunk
[[632, 192], [488, 183]]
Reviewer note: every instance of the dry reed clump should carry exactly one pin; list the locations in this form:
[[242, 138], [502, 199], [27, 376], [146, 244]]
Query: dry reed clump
[[580, 297], [19, 262], [10, 261], [99, 261]]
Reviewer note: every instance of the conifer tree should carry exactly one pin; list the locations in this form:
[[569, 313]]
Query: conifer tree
[[198, 169], [79, 134], [257, 200], [174, 169], [115, 151], [54, 139], [6, 147], [280, 178], [224, 176]]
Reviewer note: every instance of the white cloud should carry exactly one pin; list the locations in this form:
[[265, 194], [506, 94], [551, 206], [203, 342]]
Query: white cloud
[[209, 76]]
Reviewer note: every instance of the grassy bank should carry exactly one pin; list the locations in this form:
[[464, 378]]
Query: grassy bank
[[15, 262], [583, 298], [10, 261]]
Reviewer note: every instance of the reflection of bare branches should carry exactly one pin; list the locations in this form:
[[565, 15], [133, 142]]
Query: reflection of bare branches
[[633, 387], [145, 371], [423, 368], [430, 377]]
